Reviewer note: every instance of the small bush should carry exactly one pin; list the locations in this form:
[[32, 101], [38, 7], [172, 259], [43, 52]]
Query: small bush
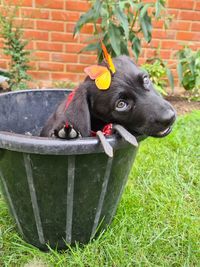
[[159, 73], [14, 47], [189, 69], [64, 84]]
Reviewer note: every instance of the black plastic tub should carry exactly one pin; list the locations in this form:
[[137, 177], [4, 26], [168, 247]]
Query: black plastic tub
[[58, 191]]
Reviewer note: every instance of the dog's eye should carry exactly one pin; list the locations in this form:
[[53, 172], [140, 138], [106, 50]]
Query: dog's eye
[[121, 105], [146, 80]]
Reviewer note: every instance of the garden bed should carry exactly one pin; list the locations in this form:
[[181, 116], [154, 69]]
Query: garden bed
[[183, 105]]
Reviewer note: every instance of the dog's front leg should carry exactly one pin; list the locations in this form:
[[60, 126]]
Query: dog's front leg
[[56, 122]]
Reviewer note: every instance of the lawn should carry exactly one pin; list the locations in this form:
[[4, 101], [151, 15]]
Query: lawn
[[157, 222]]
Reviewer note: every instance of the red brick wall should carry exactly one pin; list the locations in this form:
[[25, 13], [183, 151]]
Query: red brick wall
[[49, 24]]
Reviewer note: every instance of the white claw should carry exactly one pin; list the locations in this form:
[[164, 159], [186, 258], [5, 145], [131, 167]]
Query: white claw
[[62, 133], [73, 134]]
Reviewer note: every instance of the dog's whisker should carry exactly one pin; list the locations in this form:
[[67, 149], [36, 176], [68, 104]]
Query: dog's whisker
[[125, 134], [106, 146]]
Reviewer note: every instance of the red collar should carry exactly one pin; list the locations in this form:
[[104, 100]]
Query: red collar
[[107, 130], [69, 99]]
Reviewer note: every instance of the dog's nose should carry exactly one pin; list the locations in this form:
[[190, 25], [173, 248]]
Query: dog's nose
[[167, 118]]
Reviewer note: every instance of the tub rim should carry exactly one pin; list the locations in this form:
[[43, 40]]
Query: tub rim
[[43, 145], [49, 146]]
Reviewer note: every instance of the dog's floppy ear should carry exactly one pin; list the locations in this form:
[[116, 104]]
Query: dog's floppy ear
[[78, 114]]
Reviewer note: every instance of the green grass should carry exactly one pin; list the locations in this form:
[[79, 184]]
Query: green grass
[[158, 219]]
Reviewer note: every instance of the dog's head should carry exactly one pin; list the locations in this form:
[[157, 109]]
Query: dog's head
[[131, 101]]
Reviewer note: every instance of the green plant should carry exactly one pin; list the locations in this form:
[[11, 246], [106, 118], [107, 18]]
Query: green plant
[[159, 73], [64, 84], [14, 47], [189, 69], [119, 23]]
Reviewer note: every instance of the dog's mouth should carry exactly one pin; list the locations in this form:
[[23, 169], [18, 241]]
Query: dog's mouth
[[159, 134], [163, 133]]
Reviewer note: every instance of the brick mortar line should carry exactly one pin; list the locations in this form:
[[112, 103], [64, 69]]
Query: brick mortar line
[[74, 22], [61, 63]]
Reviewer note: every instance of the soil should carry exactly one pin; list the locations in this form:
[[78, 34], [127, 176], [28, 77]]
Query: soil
[[183, 105]]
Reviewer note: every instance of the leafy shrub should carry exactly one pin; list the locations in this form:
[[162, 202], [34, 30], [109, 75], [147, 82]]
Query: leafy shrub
[[159, 73], [189, 69], [14, 47], [64, 84], [119, 23]]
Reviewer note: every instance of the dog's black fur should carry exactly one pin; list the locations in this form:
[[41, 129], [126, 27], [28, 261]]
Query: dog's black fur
[[130, 101]]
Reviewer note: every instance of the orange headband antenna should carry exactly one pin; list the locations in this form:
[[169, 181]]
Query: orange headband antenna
[[108, 58], [101, 74]]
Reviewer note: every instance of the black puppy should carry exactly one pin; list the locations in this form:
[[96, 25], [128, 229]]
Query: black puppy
[[131, 101]]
